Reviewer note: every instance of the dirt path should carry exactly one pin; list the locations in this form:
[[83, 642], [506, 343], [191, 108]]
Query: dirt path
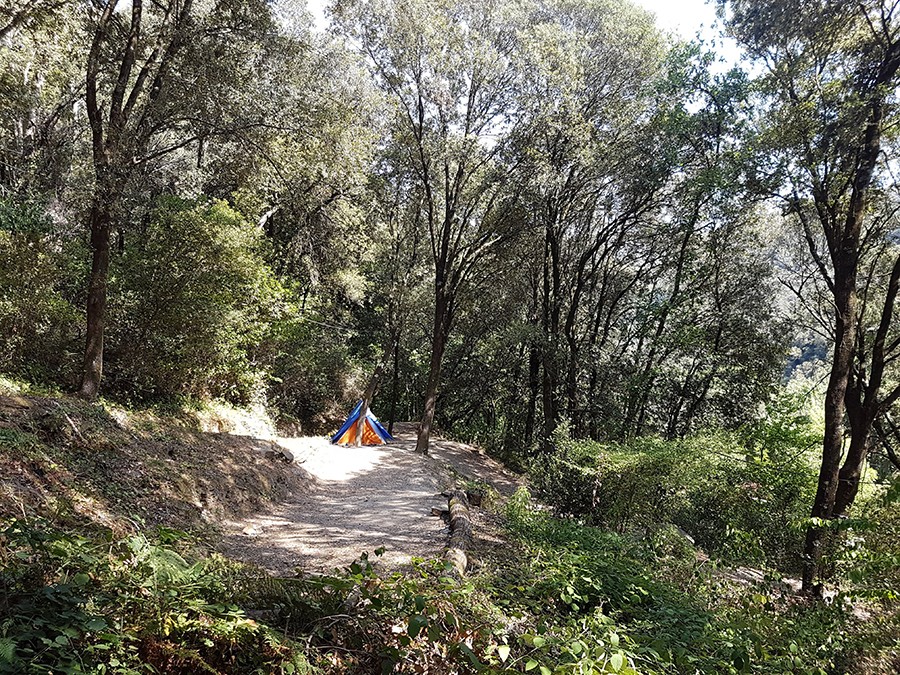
[[359, 499]]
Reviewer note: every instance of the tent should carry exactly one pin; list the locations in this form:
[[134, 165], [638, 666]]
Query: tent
[[373, 432]]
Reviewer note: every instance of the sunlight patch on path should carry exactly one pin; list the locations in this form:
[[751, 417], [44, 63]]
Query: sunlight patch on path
[[332, 462]]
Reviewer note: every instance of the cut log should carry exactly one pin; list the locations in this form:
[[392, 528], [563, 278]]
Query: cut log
[[460, 532]]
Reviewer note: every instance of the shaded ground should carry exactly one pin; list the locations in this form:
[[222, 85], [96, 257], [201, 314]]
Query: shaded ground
[[72, 461], [360, 499]]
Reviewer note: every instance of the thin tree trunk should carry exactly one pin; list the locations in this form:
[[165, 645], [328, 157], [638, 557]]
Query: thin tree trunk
[[394, 387], [572, 386], [548, 391], [512, 408], [367, 401], [647, 379], [851, 472], [534, 371], [552, 281]]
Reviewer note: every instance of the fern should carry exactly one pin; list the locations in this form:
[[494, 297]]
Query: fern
[[7, 650]]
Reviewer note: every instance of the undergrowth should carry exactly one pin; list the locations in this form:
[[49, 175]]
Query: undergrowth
[[563, 598], [74, 603]]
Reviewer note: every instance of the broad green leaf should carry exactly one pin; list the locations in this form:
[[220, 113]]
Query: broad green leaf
[[617, 661]]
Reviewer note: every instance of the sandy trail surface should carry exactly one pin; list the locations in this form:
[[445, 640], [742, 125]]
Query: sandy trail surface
[[360, 499]]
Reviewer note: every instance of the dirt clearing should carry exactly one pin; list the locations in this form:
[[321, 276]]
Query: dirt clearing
[[360, 499]]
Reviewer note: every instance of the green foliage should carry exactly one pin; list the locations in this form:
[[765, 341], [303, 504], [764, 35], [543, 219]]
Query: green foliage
[[38, 323], [192, 300], [594, 595], [74, 603], [310, 366], [740, 498], [568, 478]]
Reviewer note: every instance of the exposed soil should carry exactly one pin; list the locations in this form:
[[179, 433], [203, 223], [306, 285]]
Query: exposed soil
[[71, 461], [360, 499]]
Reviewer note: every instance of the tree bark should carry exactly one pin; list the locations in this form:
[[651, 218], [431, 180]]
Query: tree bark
[[460, 531], [534, 371], [367, 400], [394, 386], [845, 261], [442, 320], [552, 282], [833, 444], [864, 404], [92, 370]]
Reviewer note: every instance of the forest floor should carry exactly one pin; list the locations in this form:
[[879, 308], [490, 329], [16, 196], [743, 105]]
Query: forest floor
[[361, 499]]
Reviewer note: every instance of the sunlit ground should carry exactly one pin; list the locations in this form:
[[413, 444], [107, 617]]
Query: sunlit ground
[[329, 462]]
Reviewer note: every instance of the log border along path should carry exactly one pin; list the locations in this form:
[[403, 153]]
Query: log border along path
[[362, 499]]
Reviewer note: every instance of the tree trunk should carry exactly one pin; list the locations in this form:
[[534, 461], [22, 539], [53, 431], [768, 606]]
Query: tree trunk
[[534, 371], [394, 386], [863, 402], [92, 370], [549, 397], [442, 316], [835, 409], [367, 400], [851, 472], [460, 531], [550, 314], [572, 386]]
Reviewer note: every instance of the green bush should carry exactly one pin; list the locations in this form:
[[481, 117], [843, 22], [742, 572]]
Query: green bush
[[602, 602], [310, 367], [39, 326], [568, 478], [192, 299], [739, 505]]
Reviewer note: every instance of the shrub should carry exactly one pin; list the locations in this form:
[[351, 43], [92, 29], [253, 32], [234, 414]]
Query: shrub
[[39, 326], [310, 367], [602, 603], [740, 507], [192, 298], [77, 603]]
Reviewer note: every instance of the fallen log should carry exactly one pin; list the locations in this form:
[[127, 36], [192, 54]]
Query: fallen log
[[460, 531]]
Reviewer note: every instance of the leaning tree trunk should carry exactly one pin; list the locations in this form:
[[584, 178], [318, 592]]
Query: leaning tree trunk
[[368, 395]]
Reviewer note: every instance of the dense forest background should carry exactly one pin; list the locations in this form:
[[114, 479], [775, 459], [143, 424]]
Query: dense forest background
[[664, 285]]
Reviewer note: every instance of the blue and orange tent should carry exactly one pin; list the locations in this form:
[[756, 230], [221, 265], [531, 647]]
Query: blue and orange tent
[[373, 432]]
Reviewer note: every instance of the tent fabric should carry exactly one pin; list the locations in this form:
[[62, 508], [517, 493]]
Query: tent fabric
[[373, 432]]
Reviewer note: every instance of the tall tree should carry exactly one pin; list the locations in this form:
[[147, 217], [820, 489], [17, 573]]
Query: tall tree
[[157, 80], [448, 67], [831, 70], [592, 181]]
